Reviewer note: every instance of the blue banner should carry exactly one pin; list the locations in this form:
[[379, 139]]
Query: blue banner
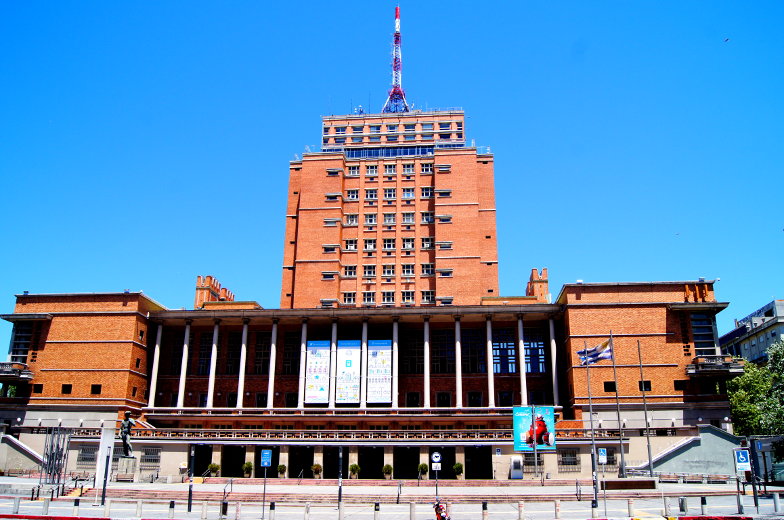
[[534, 424]]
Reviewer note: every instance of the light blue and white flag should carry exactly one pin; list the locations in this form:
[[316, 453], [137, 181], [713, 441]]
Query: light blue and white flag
[[603, 350]]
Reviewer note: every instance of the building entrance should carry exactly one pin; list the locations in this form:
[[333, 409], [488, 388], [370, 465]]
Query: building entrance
[[478, 462], [405, 461], [300, 461], [447, 461], [201, 458], [331, 462], [371, 462], [272, 470], [232, 459]]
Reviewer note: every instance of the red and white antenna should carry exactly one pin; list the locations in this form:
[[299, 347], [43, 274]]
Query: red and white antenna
[[396, 102]]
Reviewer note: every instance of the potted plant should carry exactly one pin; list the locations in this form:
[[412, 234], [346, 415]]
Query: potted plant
[[213, 468], [387, 471], [282, 470], [458, 469], [247, 469], [316, 469], [422, 470], [354, 470]]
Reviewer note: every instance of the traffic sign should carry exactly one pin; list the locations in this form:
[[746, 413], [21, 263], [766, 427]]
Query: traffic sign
[[435, 457], [436, 466], [266, 458], [602, 455], [742, 460]]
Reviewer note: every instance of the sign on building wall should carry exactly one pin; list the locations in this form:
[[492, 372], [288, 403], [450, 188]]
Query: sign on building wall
[[534, 424], [317, 372], [348, 371], [379, 371]]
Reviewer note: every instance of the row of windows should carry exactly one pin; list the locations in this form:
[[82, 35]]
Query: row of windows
[[678, 384], [389, 219], [394, 127], [67, 389], [426, 192], [390, 138], [388, 297], [389, 244], [388, 270], [371, 170]]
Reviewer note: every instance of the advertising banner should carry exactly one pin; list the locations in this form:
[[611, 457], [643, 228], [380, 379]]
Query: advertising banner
[[534, 424], [317, 372], [379, 371], [348, 371]]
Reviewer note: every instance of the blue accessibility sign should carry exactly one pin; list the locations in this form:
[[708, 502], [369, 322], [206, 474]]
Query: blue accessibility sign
[[266, 458], [742, 460]]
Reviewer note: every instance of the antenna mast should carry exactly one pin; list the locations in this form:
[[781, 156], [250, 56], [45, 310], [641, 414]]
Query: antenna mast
[[396, 102]]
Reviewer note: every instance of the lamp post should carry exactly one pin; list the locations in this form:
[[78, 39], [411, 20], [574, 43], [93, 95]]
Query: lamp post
[[340, 474], [190, 479]]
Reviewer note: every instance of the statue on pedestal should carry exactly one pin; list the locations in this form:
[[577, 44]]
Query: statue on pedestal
[[125, 435]]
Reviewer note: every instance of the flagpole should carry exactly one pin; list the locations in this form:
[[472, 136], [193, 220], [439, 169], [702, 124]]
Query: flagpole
[[645, 411], [622, 472], [595, 501]]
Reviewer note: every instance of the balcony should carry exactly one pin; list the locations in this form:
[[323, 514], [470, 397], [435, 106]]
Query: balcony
[[714, 366], [12, 372]]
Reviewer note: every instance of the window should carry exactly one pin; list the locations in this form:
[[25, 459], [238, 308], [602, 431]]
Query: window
[[442, 126], [426, 168], [371, 194], [408, 169], [408, 218], [440, 136], [329, 248], [445, 273], [504, 351], [407, 296], [410, 137], [389, 244], [388, 270], [261, 354], [568, 461], [475, 399], [340, 140], [408, 243], [38, 388], [535, 360], [389, 218], [427, 126], [356, 139], [66, 389], [371, 170], [391, 138], [702, 330], [340, 129], [235, 345], [390, 169], [428, 296], [391, 128], [352, 194], [353, 171], [412, 401], [351, 244], [352, 219], [331, 197], [349, 298], [375, 138], [679, 384], [428, 217], [445, 219], [427, 192], [388, 297], [370, 219], [370, 244], [349, 271], [368, 271], [357, 129], [428, 269], [408, 193], [410, 128], [644, 386], [609, 386], [389, 193], [326, 130], [427, 242], [368, 297], [375, 129], [407, 269]]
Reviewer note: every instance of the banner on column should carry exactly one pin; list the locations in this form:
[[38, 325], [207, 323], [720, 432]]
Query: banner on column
[[348, 374], [534, 424], [379, 371], [317, 372]]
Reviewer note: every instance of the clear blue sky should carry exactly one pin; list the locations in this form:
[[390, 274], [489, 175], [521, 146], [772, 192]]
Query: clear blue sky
[[143, 144]]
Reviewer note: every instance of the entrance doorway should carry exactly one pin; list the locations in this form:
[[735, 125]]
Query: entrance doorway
[[447, 461], [405, 461], [371, 462], [232, 459], [272, 470], [300, 461], [478, 462], [332, 462]]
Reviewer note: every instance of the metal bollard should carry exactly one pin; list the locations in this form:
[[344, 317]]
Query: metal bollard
[[521, 511], [703, 506], [630, 506], [171, 508], [32, 494], [272, 511], [376, 510], [484, 510], [340, 511], [776, 502], [557, 505], [411, 511], [683, 506], [224, 509], [138, 508], [46, 507], [307, 511], [18, 500], [237, 511], [76, 507], [51, 494], [204, 511], [107, 508], [667, 511]]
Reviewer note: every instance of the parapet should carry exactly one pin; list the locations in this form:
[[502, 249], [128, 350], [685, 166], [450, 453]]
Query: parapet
[[208, 289]]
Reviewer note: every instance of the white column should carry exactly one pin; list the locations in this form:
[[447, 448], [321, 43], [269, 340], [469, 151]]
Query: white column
[[333, 363], [243, 361], [395, 364], [271, 373], [183, 366], [363, 377], [556, 399], [213, 364], [490, 364], [426, 375], [458, 366], [302, 353], [156, 356], [521, 361]]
